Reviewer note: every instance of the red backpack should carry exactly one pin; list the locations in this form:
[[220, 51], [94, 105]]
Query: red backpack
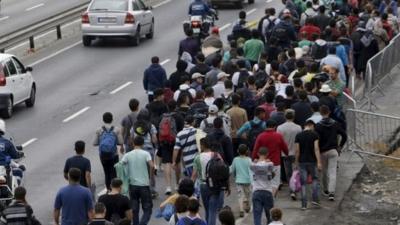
[[167, 132]]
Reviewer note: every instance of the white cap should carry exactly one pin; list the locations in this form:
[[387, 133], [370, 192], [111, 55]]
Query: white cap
[[222, 75], [197, 75], [325, 89], [213, 109]]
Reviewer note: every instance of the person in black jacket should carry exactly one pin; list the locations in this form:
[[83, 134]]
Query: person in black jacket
[[176, 77], [154, 77], [328, 131], [221, 142]]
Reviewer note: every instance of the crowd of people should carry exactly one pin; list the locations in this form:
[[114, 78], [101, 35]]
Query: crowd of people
[[250, 112]]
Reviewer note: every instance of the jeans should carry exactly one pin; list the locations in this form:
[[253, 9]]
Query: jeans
[[262, 200], [108, 167], [141, 195], [329, 169], [288, 164], [305, 170], [212, 201]]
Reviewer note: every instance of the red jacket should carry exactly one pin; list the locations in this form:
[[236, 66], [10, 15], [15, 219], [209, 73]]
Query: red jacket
[[268, 108], [309, 30], [275, 144]]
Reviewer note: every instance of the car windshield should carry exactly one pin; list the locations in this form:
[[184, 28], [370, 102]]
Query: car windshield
[[109, 5]]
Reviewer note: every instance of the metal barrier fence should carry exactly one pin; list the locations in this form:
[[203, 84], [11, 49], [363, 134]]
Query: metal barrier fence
[[372, 133], [380, 67]]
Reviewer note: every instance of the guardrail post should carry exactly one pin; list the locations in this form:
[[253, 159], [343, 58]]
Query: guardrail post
[[31, 43], [58, 27]]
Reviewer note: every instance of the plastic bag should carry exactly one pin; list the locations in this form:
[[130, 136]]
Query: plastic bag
[[295, 184]]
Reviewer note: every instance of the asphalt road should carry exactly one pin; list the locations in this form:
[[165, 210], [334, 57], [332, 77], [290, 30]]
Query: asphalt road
[[16, 14], [86, 80]]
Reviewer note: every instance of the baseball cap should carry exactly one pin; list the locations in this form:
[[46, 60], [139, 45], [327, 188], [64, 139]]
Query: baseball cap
[[213, 109], [222, 75], [197, 75]]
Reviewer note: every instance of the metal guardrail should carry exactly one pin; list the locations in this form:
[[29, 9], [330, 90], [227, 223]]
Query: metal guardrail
[[28, 32]]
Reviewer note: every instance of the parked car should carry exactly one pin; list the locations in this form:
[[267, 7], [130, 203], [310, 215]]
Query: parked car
[[237, 3], [117, 18], [16, 85]]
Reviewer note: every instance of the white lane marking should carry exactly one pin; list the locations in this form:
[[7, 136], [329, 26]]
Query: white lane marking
[[102, 192], [44, 34], [164, 62], [4, 18], [121, 87], [268, 1], [161, 3], [251, 11], [24, 145], [225, 26], [55, 53], [34, 7], [73, 116]]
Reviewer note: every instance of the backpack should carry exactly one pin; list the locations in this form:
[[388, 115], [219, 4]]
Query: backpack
[[280, 33], [255, 130], [108, 141], [167, 132], [209, 127], [243, 76], [188, 221], [141, 128], [319, 51], [199, 114], [227, 101], [186, 92], [270, 28], [217, 174]]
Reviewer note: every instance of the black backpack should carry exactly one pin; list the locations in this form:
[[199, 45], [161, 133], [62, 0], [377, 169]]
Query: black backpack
[[243, 76], [318, 52], [199, 114], [208, 127], [280, 33], [270, 28], [255, 130], [227, 101], [217, 174]]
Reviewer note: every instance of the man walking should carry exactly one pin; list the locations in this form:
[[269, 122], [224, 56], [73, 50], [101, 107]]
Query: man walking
[[154, 77], [118, 206], [73, 201], [308, 161], [128, 121], [80, 162], [140, 168], [328, 131], [108, 138], [19, 211]]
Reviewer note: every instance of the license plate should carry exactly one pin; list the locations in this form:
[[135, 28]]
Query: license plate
[[196, 30], [107, 20]]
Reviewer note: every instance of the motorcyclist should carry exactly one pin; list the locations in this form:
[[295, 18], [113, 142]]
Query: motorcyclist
[[7, 148], [199, 8]]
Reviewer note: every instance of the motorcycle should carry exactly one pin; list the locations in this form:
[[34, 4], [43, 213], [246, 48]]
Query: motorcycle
[[11, 177], [200, 25]]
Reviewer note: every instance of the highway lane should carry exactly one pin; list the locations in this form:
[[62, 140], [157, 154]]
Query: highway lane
[[18, 14], [84, 77]]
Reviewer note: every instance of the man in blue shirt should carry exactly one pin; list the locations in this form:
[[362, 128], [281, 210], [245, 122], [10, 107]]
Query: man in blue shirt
[[74, 201], [7, 148]]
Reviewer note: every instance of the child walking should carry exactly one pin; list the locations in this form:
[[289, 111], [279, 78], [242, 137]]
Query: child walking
[[240, 169]]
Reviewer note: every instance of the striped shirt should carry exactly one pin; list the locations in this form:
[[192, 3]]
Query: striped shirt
[[17, 213], [186, 141]]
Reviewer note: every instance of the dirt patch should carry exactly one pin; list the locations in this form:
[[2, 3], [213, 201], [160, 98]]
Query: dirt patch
[[374, 197]]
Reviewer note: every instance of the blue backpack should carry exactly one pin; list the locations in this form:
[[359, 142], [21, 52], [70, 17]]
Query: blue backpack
[[108, 142]]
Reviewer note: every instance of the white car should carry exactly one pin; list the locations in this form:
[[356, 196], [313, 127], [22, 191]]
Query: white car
[[117, 18], [16, 85]]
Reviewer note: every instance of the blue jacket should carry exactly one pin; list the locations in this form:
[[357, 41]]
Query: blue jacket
[[154, 77], [198, 8], [7, 151]]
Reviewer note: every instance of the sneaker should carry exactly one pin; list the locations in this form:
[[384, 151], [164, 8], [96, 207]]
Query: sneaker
[[293, 196], [304, 208], [316, 203], [325, 193], [168, 191], [241, 214], [331, 197]]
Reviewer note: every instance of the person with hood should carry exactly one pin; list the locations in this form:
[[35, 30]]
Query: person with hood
[[189, 60], [154, 77], [176, 77], [185, 87], [190, 44], [221, 141], [200, 66], [328, 131]]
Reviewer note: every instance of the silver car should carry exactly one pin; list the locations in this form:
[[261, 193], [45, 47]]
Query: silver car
[[117, 18]]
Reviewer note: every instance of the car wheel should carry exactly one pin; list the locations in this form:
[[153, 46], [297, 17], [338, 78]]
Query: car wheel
[[86, 40], [30, 102], [7, 112], [150, 35], [251, 1], [239, 4], [135, 40]]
